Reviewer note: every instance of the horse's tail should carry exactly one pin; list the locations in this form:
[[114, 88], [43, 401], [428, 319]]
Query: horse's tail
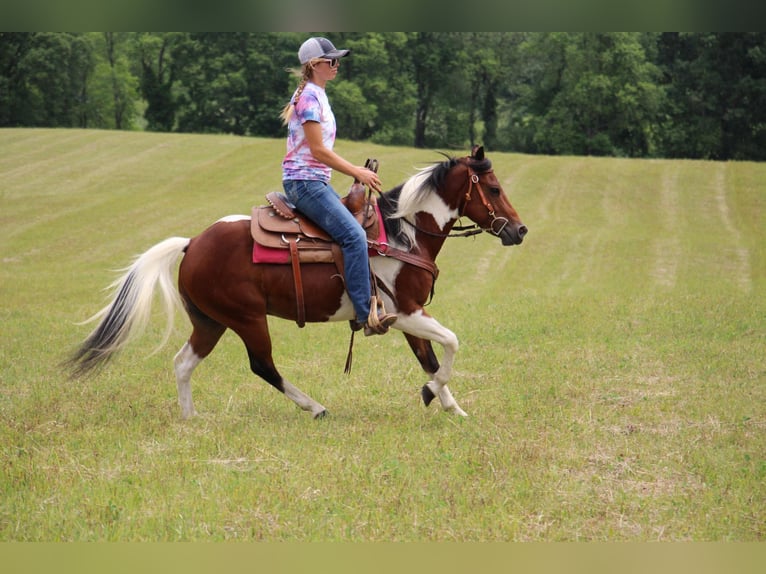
[[126, 316]]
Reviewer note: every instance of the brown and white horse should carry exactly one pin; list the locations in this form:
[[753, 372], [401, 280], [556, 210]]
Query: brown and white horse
[[221, 288]]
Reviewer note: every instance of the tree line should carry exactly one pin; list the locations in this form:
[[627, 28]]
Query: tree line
[[674, 95]]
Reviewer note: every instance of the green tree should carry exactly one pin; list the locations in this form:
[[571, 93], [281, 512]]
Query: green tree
[[430, 53], [233, 82], [716, 85], [603, 97], [154, 57], [269, 85], [379, 65], [452, 117], [486, 61], [45, 75], [698, 95], [112, 89], [534, 77], [14, 101], [123, 83]]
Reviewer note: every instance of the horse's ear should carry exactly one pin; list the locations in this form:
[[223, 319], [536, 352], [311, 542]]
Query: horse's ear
[[477, 152]]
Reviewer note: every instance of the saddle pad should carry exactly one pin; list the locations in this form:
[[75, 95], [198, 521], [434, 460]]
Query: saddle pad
[[262, 254]]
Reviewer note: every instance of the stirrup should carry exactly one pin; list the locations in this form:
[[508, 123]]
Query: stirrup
[[378, 320]]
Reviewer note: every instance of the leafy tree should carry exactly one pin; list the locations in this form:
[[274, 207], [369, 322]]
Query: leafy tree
[[700, 95], [232, 82], [599, 97], [431, 53], [534, 78], [691, 129], [123, 83], [14, 102], [380, 66], [45, 75], [154, 54], [109, 94], [716, 85], [485, 63], [269, 85]]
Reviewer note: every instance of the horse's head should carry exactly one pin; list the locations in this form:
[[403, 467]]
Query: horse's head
[[485, 203], [463, 187]]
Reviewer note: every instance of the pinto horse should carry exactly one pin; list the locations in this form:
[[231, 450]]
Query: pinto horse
[[221, 288]]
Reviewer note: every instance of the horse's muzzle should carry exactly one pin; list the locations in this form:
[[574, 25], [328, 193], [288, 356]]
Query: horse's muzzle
[[513, 234]]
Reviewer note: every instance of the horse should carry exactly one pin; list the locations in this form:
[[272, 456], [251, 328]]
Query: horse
[[220, 287]]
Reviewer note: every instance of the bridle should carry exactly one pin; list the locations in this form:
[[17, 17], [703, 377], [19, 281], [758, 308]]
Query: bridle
[[463, 231], [473, 180], [474, 228]]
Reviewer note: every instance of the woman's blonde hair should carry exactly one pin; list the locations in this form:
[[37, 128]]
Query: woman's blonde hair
[[304, 75]]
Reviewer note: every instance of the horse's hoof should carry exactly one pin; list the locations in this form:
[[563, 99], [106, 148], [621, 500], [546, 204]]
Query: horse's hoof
[[427, 395], [320, 415]]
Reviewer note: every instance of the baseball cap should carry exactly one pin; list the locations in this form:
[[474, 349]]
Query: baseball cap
[[319, 48]]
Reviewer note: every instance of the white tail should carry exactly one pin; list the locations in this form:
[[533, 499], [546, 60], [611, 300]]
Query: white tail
[[127, 315]]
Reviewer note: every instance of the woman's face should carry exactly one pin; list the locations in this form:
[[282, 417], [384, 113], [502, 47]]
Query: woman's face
[[325, 70]]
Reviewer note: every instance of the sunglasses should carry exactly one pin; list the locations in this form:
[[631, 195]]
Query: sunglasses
[[333, 62]]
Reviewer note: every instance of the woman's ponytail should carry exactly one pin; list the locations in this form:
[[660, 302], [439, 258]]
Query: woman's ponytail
[[305, 76]]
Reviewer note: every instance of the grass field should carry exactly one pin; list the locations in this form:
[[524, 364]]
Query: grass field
[[612, 366]]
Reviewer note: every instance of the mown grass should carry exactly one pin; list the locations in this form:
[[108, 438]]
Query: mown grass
[[612, 366]]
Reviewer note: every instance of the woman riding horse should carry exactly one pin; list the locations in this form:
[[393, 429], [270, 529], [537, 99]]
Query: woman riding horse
[[221, 288], [306, 171]]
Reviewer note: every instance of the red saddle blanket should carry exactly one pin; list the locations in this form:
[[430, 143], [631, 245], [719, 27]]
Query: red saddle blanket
[[264, 254]]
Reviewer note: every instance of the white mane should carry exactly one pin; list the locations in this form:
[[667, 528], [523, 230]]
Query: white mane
[[416, 196]]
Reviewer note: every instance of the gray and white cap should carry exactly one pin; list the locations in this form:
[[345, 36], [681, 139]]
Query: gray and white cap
[[319, 48]]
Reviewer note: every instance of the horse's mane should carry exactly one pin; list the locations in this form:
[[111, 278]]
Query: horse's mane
[[400, 205]]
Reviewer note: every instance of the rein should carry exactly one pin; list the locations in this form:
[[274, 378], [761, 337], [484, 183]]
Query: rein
[[467, 230]]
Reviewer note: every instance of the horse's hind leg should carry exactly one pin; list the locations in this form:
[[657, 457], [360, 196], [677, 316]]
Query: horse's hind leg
[[201, 343], [258, 343], [185, 361]]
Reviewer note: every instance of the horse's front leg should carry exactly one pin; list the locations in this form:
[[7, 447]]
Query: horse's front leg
[[420, 329]]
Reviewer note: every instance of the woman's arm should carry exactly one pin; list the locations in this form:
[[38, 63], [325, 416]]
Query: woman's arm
[[313, 132]]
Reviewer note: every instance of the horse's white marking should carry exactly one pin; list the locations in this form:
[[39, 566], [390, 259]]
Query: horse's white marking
[[386, 269], [345, 310], [412, 201], [232, 218], [301, 399], [439, 210], [426, 327], [185, 361]]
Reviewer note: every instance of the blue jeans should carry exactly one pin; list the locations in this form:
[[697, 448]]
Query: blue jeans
[[319, 202]]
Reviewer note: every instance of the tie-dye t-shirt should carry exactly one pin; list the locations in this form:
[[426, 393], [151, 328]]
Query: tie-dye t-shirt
[[313, 106]]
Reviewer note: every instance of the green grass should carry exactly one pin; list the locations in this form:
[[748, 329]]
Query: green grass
[[612, 366]]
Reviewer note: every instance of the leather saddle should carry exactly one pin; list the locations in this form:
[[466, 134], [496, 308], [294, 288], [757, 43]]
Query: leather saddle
[[280, 226]]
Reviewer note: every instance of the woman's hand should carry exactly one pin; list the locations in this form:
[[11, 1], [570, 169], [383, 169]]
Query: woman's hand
[[369, 178]]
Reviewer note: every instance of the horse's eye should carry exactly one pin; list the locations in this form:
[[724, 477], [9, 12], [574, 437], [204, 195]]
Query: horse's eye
[[494, 190]]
